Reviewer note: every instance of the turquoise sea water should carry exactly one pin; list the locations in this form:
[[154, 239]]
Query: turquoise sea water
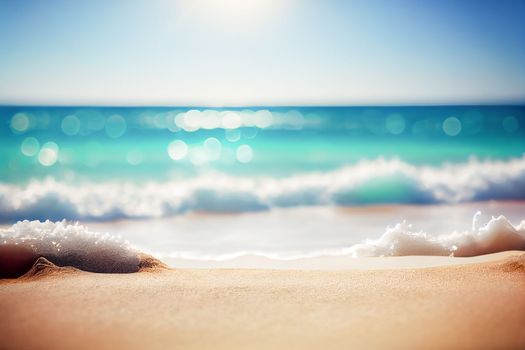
[[132, 143], [104, 163]]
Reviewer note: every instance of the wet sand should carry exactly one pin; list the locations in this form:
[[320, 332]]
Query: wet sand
[[478, 303]]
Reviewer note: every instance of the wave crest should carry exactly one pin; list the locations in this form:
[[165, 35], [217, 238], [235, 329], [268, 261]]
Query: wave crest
[[368, 182]]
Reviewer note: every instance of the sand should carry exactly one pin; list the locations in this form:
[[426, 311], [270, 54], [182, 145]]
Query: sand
[[478, 304]]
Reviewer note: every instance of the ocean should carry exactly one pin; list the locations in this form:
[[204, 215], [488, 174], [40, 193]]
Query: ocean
[[282, 182]]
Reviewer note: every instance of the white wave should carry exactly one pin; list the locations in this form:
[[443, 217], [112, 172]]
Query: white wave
[[67, 244], [367, 182], [496, 236]]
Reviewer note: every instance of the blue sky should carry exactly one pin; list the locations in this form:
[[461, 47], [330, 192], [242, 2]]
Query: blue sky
[[261, 52]]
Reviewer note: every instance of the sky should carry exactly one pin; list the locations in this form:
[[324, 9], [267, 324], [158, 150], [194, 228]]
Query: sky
[[261, 52]]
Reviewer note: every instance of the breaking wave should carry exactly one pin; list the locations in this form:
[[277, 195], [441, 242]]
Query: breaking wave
[[66, 244], [377, 181]]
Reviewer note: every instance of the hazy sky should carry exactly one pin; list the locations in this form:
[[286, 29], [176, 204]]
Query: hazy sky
[[261, 52]]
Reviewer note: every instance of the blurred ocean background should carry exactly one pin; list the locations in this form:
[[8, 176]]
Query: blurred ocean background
[[155, 144], [213, 182]]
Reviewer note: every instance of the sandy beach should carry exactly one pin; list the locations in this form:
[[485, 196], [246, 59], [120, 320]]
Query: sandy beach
[[257, 174], [475, 303]]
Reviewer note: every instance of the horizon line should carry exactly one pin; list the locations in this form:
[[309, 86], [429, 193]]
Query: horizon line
[[517, 103]]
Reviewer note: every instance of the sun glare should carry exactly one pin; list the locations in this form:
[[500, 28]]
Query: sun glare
[[232, 13]]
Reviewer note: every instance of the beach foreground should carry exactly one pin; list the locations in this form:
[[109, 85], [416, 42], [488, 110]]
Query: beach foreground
[[478, 304]]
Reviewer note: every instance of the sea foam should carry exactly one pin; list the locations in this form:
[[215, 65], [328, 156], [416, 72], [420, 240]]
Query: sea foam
[[499, 234], [66, 244], [377, 181]]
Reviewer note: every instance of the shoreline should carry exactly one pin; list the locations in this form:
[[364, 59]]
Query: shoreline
[[335, 262]]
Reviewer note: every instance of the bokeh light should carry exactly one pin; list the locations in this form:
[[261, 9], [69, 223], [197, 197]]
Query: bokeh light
[[231, 120], [115, 126], [262, 119], [452, 126], [171, 125], [70, 125], [213, 148], [395, 123], [293, 120], [160, 121], [30, 146], [232, 135], [192, 120], [210, 120], [48, 154], [134, 157], [244, 154], [179, 120], [20, 122], [177, 150], [249, 132]]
